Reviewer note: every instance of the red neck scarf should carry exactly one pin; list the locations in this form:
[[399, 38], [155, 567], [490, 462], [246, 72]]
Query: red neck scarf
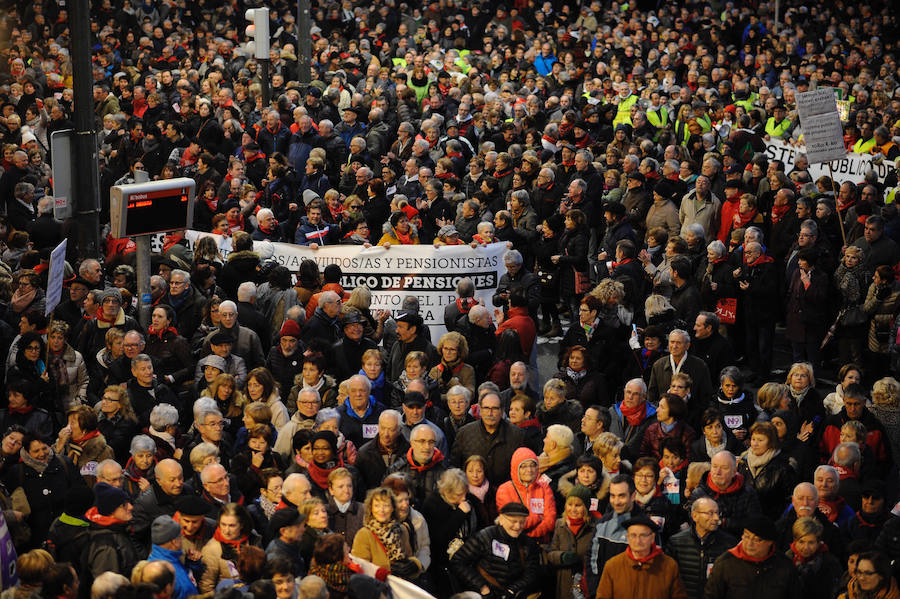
[[778, 213], [738, 552], [532, 422], [160, 332], [616, 265], [636, 415], [435, 459], [500, 174], [575, 524], [735, 485], [742, 220], [464, 304], [643, 560], [86, 437], [831, 509], [763, 259], [404, 239], [842, 205], [102, 318], [320, 474], [236, 544], [24, 410], [212, 204], [799, 559], [269, 230], [684, 464]]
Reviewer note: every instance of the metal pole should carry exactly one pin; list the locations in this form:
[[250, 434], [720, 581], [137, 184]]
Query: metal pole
[[304, 41], [87, 184], [266, 82], [777, 10], [143, 279]]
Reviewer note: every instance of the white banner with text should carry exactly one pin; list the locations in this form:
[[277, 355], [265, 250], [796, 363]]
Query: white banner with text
[[851, 168]]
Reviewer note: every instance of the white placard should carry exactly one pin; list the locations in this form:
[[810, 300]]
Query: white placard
[[821, 123]]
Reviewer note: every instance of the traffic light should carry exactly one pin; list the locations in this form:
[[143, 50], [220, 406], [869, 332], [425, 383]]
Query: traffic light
[[258, 32]]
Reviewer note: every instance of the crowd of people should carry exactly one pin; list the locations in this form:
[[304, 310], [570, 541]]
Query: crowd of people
[[266, 426]]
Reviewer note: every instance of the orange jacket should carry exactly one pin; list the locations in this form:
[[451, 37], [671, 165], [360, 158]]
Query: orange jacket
[[537, 497]]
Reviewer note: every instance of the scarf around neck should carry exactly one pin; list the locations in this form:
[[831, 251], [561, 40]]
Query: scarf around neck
[[655, 551], [37, 465], [480, 491], [738, 552], [20, 300], [635, 415], [388, 535], [756, 463]]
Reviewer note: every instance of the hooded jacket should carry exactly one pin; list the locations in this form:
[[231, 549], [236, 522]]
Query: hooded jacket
[[184, 585], [537, 497]]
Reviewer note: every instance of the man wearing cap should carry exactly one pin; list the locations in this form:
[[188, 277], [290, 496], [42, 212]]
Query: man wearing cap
[[71, 310], [754, 568], [110, 547], [643, 570], [220, 345], [165, 533], [778, 125], [285, 359], [286, 527], [636, 201], [414, 413], [499, 561], [111, 314], [870, 520], [410, 338], [697, 548], [196, 530], [348, 351]]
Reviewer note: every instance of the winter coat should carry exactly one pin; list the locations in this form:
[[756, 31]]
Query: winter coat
[[654, 435], [75, 392], [881, 305], [184, 586], [109, 548], [151, 503], [423, 478], [345, 523], [573, 247], [537, 497], [368, 547], [448, 528], [774, 483], [632, 436], [45, 492], [819, 576], [624, 578], [695, 556], [358, 429], [736, 503], [68, 538], [174, 352], [661, 378], [515, 570], [806, 308], [565, 541], [609, 540], [497, 449], [568, 413], [734, 578], [240, 267]]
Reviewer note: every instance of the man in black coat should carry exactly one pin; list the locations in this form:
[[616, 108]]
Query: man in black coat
[[410, 337], [325, 322], [804, 503], [696, 548], [158, 500], [681, 361], [710, 346], [187, 302], [518, 277], [145, 392], [491, 437], [806, 315], [754, 568], [685, 297], [348, 352], [250, 317], [379, 454], [423, 465], [736, 498], [45, 232]]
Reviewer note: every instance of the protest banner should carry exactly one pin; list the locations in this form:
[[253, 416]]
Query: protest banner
[[851, 167], [430, 273], [821, 122]]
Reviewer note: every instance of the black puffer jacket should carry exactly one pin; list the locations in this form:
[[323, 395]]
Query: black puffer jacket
[[695, 555], [517, 573], [568, 413], [774, 483], [734, 578]]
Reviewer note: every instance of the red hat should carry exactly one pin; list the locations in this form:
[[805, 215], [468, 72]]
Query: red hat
[[290, 328]]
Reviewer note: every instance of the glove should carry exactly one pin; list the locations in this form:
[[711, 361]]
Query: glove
[[405, 568], [381, 574], [569, 558]]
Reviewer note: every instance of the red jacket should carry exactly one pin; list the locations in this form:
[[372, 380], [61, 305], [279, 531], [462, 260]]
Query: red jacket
[[537, 497], [519, 321]]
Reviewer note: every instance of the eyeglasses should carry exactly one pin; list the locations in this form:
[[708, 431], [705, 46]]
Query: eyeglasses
[[109, 398], [709, 513], [33, 348]]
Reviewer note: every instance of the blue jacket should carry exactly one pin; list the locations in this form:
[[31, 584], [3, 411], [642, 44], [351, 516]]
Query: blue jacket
[[184, 582], [308, 233]]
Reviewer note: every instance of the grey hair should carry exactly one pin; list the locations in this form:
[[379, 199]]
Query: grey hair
[[465, 287], [717, 246], [555, 385], [310, 390], [639, 382], [512, 257], [684, 335], [247, 290], [142, 443], [203, 404], [229, 304], [846, 454], [561, 434], [477, 312], [206, 414], [522, 196], [460, 390], [327, 414], [697, 229], [207, 470], [829, 469], [107, 585], [327, 123], [181, 273], [201, 451], [163, 416], [452, 480], [365, 379], [326, 297], [140, 358], [391, 414], [548, 172]]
